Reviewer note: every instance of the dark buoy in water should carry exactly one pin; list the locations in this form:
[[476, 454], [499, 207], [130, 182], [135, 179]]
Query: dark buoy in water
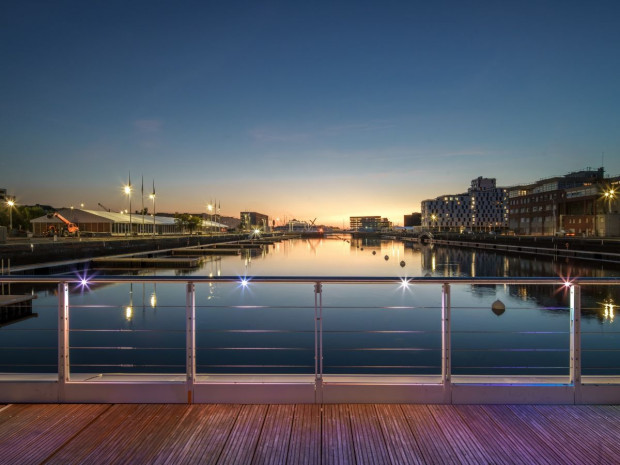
[[374, 252], [402, 263], [361, 248], [386, 258], [498, 307], [427, 275]]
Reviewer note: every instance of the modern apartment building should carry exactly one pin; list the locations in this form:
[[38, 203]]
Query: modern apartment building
[[482, 207]]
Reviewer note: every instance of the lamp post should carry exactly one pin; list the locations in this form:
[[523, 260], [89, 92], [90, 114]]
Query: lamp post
[[152, 197], [610, 196], [210, 209], [128, 193], [11, 204]]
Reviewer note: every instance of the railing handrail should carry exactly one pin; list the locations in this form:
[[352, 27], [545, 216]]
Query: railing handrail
[[96, 279]]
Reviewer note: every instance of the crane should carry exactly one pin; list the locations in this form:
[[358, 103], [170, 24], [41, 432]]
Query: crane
[[69, 229], [104, 207]]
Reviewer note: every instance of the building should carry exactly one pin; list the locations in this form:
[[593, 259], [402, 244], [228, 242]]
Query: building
[[369, 223], [571, 204], [254, 220], [229, 221], [482, 207], [104, 223], [415, 219]]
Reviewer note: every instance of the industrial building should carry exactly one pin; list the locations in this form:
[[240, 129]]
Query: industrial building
[[103, 222]]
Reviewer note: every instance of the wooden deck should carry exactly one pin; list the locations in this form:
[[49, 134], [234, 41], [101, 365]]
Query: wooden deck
[[308, 434]]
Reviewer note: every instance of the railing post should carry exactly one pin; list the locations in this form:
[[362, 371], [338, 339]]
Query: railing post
[[575, 338], [63, 339], [318, 342], [190, 339], [446, 363]]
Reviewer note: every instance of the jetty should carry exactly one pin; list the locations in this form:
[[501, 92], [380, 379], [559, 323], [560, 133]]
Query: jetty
[[14, 308], [140, 262], [206, 251]]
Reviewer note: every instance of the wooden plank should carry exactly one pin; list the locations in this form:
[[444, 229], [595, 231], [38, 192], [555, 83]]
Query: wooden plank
[[33, 438], [244, 436], [156, 425], [305, 443], [460, 436], [432, 441], [564, 445], [401, 443], [368, 441], [274, 440], [336, 435], [597, 449], [523, 436], [602, 429], [100, 436], [207, 428]]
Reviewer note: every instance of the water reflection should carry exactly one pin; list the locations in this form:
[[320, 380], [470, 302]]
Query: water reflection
[[529, 315]]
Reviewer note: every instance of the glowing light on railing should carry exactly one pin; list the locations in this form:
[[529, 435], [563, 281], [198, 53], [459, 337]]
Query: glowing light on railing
[[129, 313], [404, 283], [153, 300]]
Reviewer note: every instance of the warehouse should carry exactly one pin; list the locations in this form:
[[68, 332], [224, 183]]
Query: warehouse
[[102, 223]]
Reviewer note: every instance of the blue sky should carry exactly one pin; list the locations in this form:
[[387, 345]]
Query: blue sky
[[302, 109]]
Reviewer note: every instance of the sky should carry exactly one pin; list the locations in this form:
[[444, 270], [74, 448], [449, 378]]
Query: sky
[[323, 109]]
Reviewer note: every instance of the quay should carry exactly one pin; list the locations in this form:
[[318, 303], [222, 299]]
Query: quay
[[308, 434]]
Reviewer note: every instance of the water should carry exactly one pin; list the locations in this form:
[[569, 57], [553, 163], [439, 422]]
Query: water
[[377, 329]]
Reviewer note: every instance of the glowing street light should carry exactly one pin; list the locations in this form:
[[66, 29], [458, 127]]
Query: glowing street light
[[152, 197], [127, 189], [434, 218], [610, 196], [210, 209], [11, 204]]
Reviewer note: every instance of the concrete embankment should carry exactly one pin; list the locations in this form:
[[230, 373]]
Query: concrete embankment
[[607, 250], [26, 252]]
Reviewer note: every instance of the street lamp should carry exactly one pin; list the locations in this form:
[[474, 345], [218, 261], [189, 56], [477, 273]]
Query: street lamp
[[610, 195], [152, 197], [210, 208], [127, 190], [11, 204]]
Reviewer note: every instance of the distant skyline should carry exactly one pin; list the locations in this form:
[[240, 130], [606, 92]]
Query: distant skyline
[[302, 109]]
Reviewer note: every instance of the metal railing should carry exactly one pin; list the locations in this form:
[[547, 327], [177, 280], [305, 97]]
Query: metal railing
[[326, 382]]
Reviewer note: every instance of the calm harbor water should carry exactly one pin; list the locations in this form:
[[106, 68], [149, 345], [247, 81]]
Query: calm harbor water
[[378, 329]]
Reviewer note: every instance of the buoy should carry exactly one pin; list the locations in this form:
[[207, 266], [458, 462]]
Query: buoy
[[402, 263], [374, 252], [361, 248], [427, 275], [386, 258], [498, 307]]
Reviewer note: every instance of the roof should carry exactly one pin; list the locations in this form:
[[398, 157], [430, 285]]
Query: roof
[[76, 215]]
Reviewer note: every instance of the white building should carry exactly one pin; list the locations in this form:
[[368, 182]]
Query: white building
[[483, 207]]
